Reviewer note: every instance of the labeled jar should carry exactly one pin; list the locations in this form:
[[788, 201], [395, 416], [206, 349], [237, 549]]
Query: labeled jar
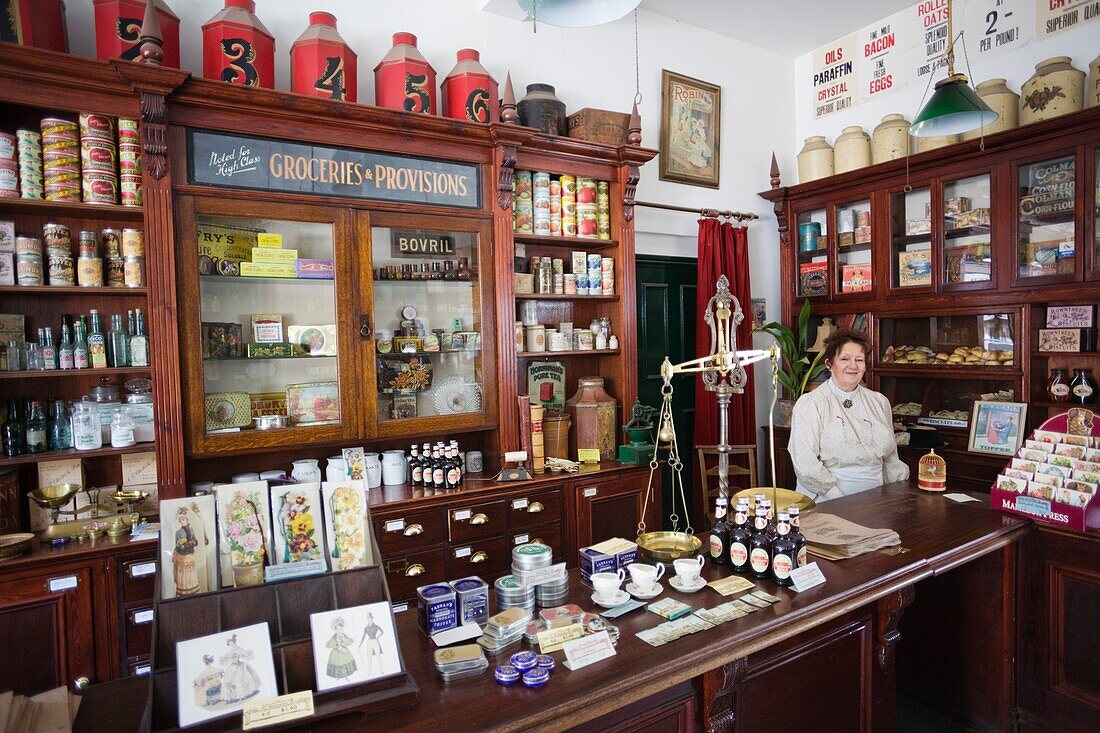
[[1058, 386], [890, 139], [852, 150], [815, 160], [1082, 388], [1056, 88], [122, 428], [536, 338], [87, 433], [1003, 101]]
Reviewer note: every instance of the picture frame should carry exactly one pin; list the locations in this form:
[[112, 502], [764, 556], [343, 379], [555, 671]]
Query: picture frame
[[244, 532], [997, 428], [348, 540], [298, 528], [217, 675], [188, 546], [313, 403], [354, 645], [1071, 316], [691, 126]]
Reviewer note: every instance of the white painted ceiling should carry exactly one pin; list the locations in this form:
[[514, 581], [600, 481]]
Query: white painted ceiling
[[788, 27]]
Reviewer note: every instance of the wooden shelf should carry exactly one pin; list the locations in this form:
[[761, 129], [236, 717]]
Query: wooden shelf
[[470, 283], [547, 296], [951, 371], [857, 247], [572, 352], [56, 373], [428, 353], [1067, 354], [565, 242], [908, 239], [62, 209], [974, 231], [56, 455], [268, 358], [808, 254], [279, 280], [70, 290]]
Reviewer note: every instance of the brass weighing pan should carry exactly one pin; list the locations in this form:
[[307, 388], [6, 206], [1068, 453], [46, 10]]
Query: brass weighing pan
[[668, 546], [781, 499]]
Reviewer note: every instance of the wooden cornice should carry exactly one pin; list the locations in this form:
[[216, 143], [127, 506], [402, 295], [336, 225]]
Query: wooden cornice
[[148, 78]]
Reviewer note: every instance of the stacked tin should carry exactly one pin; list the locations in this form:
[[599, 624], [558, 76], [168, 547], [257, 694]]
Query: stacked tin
[[540, 201], [129, 162], [60, 270], [511, 594], [568, 206], [603, 210], [110, 244], [473, 600], [99, 159], [28, 261], [607, 276], [523, 213], [587, 208], [133, 258], [89, 265], [555, 207], [29, 143], [9, 166], [60, 159], [552, 594], [460, 661]]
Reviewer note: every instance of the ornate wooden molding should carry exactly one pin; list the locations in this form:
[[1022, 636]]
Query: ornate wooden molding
[[719, 696], [507, 176], [633, 176], [888, 613], [154, 132]]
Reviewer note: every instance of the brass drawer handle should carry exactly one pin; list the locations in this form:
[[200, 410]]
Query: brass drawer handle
[[81, 683], [414, 529], [479, 556], [537, 541], [414, 570], [535, 507], [479, 518]]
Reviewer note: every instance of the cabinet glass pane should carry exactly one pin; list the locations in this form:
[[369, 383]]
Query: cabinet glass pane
[[269, 340], [427, 319], [967, 256], [853, 247], [911, 238], [813, 254], [944, 403], [1096, 213], [984, 340], [1046, 245]]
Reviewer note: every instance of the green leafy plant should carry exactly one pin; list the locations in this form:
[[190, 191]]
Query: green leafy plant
[[797, 368]]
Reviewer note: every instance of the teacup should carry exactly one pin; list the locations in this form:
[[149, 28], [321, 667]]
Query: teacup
[[687, 569], [607, 585], [645, 576]]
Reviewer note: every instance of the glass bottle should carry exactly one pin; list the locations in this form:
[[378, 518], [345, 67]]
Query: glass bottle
[[437, 274], [122, 428], [739, 537], [60, 432], [760, 545], [1058, 386], [65, 349], [770, 514], [48, 351], [130, 323], [32, 358], [87, 431], [81, 358], [139, 342], [439, 472], [449, 270], [719, 533], [1083, 387], [97, 342], [36, 427], [797, 537], [117, 343], [415, 470], [784, 552], [13, 432], [15, 356], [426, 466], [463, 271]]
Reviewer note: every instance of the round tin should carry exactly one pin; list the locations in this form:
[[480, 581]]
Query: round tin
[[545, 661], [536, 677], [519, 335], [62, 192], [96, 126], [559, 341], [532, 556], [89, 272], [568, 185], [87, 243], [28, 270], [133, 272], [128, 130], [9, 183], [8, 146], [569, 282], [111, 243], [524, 661], [100, 187], [60, 270], [535, 338], [59, 128], [28, 246], [133, 243], [130, 192], [506, 674], [116, 272], [584, 339], [57, 238]]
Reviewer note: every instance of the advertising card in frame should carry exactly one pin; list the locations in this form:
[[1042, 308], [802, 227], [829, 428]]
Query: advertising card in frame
[[219, 674], [354, 645], [188, 546], [997, 428], [691, 118]]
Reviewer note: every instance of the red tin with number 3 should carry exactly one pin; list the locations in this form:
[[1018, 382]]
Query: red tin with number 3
[[404, 79], [469, 92], [322, 64], [237, 48], [118, 30]]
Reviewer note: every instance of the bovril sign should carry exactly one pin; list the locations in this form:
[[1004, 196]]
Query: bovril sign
[[419, 244]]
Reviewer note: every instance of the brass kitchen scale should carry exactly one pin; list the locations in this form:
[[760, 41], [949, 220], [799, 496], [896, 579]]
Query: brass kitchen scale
[[723, 372], [54, 498]]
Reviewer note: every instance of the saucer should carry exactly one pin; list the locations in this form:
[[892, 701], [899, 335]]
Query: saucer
[[699, 584], [637, 593], [620, 598]]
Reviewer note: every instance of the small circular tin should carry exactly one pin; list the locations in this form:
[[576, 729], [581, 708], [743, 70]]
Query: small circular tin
[[28, 246], [60, 270], [28, 269], [57, 238], [133, 243], [89, 272], [532, 556], [524, 661], [87, 243], [112, 243], [545, 661], [116, 272], [133, 272], [506, 674], [536, 677]]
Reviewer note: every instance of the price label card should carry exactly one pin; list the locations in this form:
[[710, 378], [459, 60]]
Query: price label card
[[461, 515], [730, 585], [588, 455], [552, 640], [588, 650], [519, 503], [807, 577], [395, 525], [278, 710], [462, 552], [522, 539], [961, 498]]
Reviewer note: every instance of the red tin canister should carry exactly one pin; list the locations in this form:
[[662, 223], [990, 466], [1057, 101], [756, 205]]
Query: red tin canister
[[469, 92], [404, 79], [322, 64], [38, 23], [237, 48], [118, 30]]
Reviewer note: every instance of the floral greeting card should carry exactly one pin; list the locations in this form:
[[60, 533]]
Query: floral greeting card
[[349, 542], [244, 532], [298, 528]]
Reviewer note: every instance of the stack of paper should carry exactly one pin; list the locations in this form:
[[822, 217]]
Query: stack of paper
[[833, 538], [49, 712]]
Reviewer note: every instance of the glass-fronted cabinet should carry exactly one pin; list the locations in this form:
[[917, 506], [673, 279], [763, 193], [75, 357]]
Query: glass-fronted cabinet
[[943, 403], [967, 252], [911, 239], [1096, 212], [813, 254], [969, 340], [853, 248], [1046, 231]]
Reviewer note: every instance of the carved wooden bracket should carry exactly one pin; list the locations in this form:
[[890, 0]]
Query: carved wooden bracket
[[154, 133], [889, 611], [633, 176], [779, 206], [719, 696], [507, 176]]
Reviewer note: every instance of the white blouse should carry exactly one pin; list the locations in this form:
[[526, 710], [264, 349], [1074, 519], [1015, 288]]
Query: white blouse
[[826, 435]]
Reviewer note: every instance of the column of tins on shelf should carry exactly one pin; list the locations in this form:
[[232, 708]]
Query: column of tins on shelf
[[533, 337], [589, 274], [1069, 330], [561, 206], [105, 257]]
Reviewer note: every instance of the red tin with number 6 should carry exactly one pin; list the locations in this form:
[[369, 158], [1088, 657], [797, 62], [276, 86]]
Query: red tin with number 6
[[404, 79], [469, 92], [322, 64], [237, 48]]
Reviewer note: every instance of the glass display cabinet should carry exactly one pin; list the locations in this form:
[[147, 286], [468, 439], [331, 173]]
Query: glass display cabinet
[[911, 239], [813, 254], [961, 341], [967, 254], [1046, 227], [853, 248]]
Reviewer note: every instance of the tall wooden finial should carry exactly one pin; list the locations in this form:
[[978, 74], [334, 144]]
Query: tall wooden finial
[[152, 45], [634, 127], [508, 112], [774, 172]]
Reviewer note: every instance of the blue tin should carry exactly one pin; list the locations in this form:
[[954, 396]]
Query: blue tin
[[546, 662], [506, 674], [473, 600], [594, 561], [437, 608], [524, 661], [808, 233], [536, 677]]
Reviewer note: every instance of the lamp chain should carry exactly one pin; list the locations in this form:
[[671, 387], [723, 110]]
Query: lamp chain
[[637, 63], [970, 76]]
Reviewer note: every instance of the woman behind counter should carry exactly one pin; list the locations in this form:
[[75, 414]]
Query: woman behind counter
[[842, 436]]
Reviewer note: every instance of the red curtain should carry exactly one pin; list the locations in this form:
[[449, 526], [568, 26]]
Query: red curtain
[[723, 250]]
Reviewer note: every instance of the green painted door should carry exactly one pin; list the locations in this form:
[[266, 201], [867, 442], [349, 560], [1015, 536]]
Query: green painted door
[[666, 327]]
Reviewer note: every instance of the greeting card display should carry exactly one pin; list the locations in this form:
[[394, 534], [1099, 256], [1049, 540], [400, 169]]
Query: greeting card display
[[354, 645], [299, 533], [188, 546], [218, 674]]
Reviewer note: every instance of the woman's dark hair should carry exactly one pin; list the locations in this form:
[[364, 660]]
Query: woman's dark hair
[[837, 341]]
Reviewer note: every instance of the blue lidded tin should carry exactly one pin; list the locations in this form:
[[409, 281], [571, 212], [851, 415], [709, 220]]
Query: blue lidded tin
[[808, 232], [473, 600], [437, 608], [545, 661], [524, 661], [507, 674], [536, 677]]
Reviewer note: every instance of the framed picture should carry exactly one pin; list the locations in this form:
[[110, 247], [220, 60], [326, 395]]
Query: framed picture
[[348, 537], [218, 674], [296, 515], [354, 645], [244, 532], [313, 403], [188, 546], [691, 120], [997, 428]]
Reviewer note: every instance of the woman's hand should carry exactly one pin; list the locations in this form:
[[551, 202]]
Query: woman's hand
[[833, 493]]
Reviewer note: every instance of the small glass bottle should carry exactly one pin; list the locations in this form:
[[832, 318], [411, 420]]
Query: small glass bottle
[[122, 428], [48, 351], [1083, 387], [13, 431], [32, 357], [118, 343], [36, 427], [87, 431], [139, 342], [97, 342], [65, 350], [15, 356], [449, 270], [81, 358], [720, 533], [463, 271], [437, 274], [60, 432]]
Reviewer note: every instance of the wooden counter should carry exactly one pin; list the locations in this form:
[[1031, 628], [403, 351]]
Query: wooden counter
[[826, 654]]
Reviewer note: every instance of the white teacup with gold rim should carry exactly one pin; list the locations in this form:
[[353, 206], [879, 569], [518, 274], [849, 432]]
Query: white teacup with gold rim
[[645, 576], [607, 585], [688, 569]]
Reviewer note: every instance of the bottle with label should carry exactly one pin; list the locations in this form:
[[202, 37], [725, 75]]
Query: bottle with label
[[454, 471], [760, 545], [60, 432], [416, 470], [784, 553], [13, 432], [81, 358], [65, 349], [139, 342], [122, 428], [797, 537], [87, 431], [739, 538], [36, 427], [720, 533], [1082, 388], [97, 342], [439, 472], [463, 272], [1058, 386], [426, 466], [770, 514], [49, 349], [118, 343]]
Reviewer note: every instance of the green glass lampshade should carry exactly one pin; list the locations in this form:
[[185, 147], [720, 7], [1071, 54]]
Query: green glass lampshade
[[954, 108]]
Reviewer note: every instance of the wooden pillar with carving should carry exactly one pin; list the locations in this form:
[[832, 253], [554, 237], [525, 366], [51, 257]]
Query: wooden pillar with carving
[[888, 613], [717, 692]]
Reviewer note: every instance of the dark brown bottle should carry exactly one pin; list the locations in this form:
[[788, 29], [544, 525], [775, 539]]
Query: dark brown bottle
[[463, 272], [760, 545], [739, 539], [784, 552], [1058, 386], [449, 270], [1083, 388], [797, 537], [13, 431], [436, 273], [720, 533]]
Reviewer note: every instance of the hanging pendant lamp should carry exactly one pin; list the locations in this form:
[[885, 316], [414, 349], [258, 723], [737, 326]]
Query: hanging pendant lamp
[[954, 107], [577, 13]]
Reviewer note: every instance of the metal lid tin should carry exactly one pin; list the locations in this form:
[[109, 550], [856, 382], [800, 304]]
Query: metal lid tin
[[546, 662], [506, 674], [537, 677], [532, 556], [524, 661]]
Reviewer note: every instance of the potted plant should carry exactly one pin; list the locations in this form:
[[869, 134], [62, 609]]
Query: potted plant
[[797, 369]]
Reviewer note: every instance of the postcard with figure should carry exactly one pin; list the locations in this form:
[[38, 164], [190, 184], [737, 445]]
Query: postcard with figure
[[348, 522], [354, 645], [220, 673], [244, 532], [188, 546]]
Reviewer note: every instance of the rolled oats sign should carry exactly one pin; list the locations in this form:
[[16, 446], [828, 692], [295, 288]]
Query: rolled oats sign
[[929, 35], [835, 76], [1054, 16]]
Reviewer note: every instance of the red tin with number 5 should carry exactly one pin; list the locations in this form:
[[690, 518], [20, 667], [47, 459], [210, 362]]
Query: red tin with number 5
[[118, 30], [404, 79], [237, 48], [321, 63]]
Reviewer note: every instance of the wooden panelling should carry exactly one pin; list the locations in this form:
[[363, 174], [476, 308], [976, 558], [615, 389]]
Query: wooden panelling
[[471, 521], [406, 573], [409, 532]]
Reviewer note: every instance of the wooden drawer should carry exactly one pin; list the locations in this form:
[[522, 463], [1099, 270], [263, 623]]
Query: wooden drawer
[[549, 534], [139, 632], [534, 509], [474, 521], [486, 558], [410, 532], [407, 573], [138, 576], [140, 667]]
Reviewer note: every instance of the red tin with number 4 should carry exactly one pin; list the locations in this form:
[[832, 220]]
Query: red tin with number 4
[[469, 92], [404, 79], [322, 64], [118, 30], [237, 48]]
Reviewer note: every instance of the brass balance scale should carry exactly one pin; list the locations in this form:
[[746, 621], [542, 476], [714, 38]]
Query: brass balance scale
[[56, 497], [723, 372]]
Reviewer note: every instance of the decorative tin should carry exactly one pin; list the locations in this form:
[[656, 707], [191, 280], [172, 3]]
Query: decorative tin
[[506, 674], [133, 243], [1056, 88], [237, 48], [321, 62], [28, 269], [133, 272], [115, 272], [469, 92], [815, 160], [593, 413], [535, 338], [545, 661], [118, 30], [38, 23], [28, 246], [29, 145], [404, 79], [852, 150], [60, 159], [60, 270], [111, 241], [890, 139], [1003, 101], [524, 661], [473, 600], [808, 233], [89, 272], [437, 608], [57, 238], [537, 677], [532, 556], [542, 109]]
